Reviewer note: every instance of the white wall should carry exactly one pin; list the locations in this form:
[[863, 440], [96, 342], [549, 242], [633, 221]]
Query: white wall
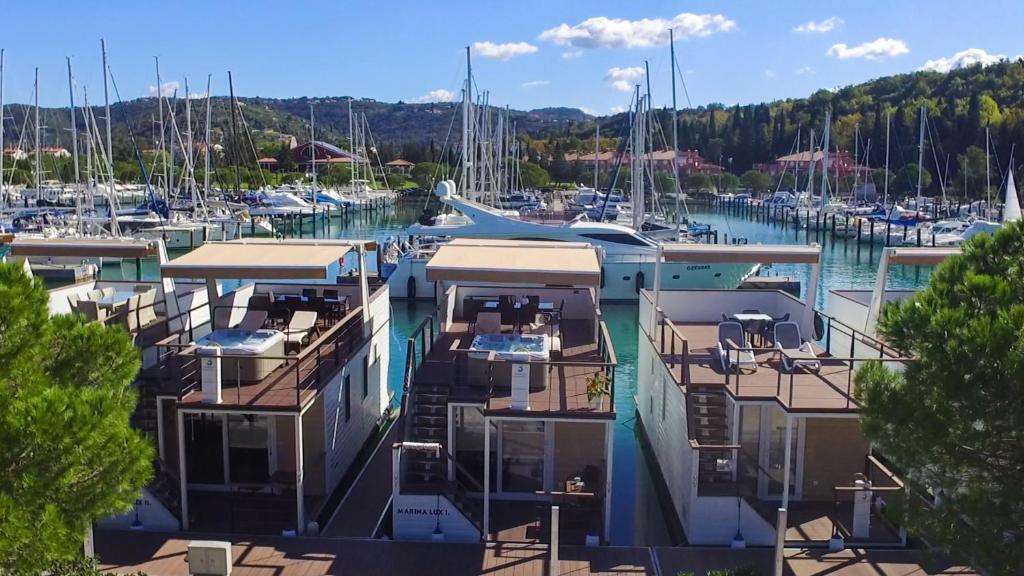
[[416, 516], [150, 512], [342, 440], [668, 435], [713, 523]]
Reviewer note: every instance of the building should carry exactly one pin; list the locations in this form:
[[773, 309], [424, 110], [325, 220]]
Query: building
[[688, 161], [399, 166], [838, 162], [258, 399], [498, 421], [326, 154], [737, 435], [56, 151], [267, 164], [16, 153]]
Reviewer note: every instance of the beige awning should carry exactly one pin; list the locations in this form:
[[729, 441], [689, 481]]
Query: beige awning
[[516, 262], [759, 254], [84, 247], [245, 260], [920, 256]]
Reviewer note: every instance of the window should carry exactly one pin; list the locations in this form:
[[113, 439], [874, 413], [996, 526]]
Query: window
[[348, 397], [366, 375], [617, 238]]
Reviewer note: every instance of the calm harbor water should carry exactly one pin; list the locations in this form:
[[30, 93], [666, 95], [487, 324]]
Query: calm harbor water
[[636, 516]]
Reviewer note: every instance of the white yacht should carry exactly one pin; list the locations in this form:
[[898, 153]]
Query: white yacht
[[628, 263]]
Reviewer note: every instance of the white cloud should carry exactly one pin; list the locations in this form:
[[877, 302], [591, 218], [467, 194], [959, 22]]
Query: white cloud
[[604, 32], [167, 89], [572, 54], [618, 109], [439, 95], [535, 83], [769, 73], [587, 110], [622, 79], [827, 25], [963, 59], [805, 71], [503, 51], [878, 48]]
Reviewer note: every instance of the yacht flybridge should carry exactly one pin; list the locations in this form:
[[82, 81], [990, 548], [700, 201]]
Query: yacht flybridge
[[629, 255]]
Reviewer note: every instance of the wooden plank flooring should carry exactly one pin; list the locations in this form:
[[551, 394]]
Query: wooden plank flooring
[[359, 511], [822, 391], [164, 555]]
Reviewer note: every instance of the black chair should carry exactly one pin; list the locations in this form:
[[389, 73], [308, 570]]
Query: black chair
[[277, 312], [754, 327], [309, 292], [330, 293], [470, 308], [507, 308], [768, 331], [528, 311], [260, 302], [725, 317]]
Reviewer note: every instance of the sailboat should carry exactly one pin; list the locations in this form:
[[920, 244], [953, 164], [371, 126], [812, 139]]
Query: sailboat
[[630, 254]]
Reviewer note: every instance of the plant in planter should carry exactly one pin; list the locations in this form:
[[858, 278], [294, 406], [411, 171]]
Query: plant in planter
[[598, 386]]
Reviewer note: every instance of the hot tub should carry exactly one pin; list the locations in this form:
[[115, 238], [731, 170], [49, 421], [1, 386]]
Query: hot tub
[[247, 355], [533, 349]]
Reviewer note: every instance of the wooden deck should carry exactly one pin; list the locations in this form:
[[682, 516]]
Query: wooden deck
[[295, 383], [565, 395], [827, 390], [164, 555]]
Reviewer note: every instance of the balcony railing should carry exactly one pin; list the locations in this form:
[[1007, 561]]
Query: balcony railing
[[310, 369]]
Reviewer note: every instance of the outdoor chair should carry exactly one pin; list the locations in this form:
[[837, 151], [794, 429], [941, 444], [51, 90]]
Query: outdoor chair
[[487, 323], [301, 324], [731, 338], [769, 327], [795, 351], [91, 310], [146, 305], [253, 320]]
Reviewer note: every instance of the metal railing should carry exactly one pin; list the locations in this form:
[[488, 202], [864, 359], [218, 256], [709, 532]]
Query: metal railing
[[310, 368]]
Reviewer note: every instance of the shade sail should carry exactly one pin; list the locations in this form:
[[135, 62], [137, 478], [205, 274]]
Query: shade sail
[[515, 262], [920, 256], [260, 259], [759, 254], [84, 247]]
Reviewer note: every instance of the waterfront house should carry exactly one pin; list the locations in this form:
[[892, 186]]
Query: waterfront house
[[264, 373], [498, 422], [399, 166], [747, 400]]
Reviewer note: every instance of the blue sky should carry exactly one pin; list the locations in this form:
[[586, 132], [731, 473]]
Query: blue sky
[[530, 53]]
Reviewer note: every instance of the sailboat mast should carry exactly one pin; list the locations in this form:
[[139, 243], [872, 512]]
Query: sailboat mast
[[110, 151], [469, 146], [86, 113], [39, 144], [824, 162], [234, 135], [920, 158], [312, 149], [988, 174], [675, 131], [885, 201], [597, 149], [206, 142], [191, 157], [74, 147], [810, 168], [163, 135]]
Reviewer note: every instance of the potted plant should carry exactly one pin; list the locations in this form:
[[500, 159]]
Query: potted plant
[[598, 386]]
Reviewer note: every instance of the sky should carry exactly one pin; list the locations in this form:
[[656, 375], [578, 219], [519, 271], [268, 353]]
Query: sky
[[527, 53]]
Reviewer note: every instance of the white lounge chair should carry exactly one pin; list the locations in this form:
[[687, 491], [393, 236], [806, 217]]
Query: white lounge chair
[[253, 320], [488, 323], [146, 307], [795, 351], [299, 327], [731, 339]]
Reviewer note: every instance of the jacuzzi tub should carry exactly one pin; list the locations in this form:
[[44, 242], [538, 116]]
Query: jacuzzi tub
[[247, 355]]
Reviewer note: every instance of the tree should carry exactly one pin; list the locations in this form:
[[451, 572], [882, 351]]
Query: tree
[[906, 179], [68, 452], [533, 176], [285, 162], [755, 180], [427, 174], [972, 164], [698, 182], [952, 419], [727, 182]]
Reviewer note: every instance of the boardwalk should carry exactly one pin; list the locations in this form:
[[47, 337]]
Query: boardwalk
[[164, 555]]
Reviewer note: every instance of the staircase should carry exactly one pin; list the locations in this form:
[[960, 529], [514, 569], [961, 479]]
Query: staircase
[[428, 422], [708, 424]]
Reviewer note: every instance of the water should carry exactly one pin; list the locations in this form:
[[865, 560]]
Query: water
[[636, 515]]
